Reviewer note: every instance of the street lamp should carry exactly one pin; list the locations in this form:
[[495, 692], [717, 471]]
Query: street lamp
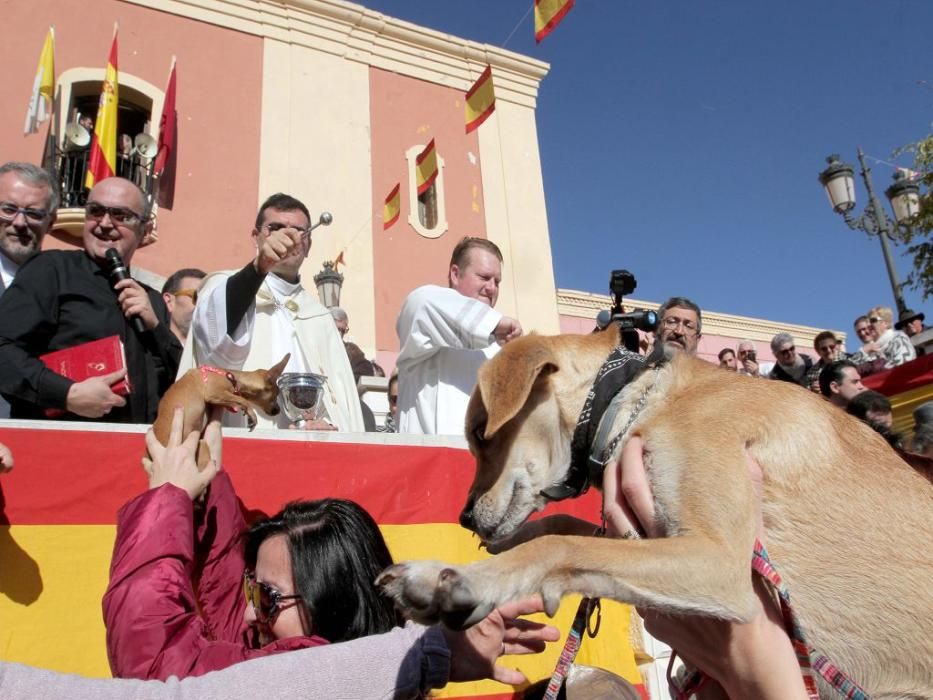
[[839, 183], [329, 283]]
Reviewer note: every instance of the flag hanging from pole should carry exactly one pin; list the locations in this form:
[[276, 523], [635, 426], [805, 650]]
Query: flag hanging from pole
[[43, 87], [103, 158], [480, 100], [167, 124], [338, 261], [392, 207], [426, 168], [548, 14]]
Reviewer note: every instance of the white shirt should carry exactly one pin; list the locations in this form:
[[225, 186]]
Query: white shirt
[[283, 319], [444, 338]]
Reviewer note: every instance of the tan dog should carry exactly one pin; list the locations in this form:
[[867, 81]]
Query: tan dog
[[200, 388], [847, 523]]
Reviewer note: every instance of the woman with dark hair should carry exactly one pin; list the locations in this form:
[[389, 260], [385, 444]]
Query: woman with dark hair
[[175, 604], [336, 552]]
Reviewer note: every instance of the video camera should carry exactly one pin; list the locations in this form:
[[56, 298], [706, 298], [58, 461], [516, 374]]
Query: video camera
[[622, 282]]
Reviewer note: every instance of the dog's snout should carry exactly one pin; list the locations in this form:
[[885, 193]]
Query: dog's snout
[[466, 516]]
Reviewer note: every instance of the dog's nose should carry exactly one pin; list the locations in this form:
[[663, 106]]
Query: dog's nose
[[466, 516]]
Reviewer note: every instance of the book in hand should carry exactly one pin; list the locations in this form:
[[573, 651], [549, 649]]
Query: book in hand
[[92, 359]]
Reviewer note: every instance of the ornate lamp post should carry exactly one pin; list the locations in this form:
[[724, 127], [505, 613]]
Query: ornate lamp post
[[904, 196], [329, 283]]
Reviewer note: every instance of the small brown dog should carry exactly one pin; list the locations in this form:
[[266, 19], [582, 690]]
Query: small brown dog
[[845, 520], [200, 388]]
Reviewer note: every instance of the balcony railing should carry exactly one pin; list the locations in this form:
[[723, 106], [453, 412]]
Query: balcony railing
[[70, 170]]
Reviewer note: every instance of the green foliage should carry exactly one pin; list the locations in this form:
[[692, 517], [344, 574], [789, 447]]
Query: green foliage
[[917, 235]]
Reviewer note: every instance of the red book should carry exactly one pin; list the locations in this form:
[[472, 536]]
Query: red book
[[87, 360]]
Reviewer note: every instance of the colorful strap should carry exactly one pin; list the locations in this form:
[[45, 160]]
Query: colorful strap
[[572, 645]]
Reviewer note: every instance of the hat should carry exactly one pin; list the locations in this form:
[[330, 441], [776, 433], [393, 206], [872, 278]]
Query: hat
[[906, 316]]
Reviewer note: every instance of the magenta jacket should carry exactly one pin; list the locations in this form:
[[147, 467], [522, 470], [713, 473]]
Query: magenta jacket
[[174, 605]]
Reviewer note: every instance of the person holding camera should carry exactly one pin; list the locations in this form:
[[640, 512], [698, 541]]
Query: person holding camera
[[748, 359]]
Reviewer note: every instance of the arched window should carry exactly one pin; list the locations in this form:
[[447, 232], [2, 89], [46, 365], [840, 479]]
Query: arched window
[[427, 213]]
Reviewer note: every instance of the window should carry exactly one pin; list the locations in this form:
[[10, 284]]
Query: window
[[428, 215]]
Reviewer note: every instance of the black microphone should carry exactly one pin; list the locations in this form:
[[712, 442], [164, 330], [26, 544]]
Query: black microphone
[[117, 271]]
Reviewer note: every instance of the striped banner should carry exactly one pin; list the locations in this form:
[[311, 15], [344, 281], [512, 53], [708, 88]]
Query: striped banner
[[908, 387], [57, 527], [480, 101]]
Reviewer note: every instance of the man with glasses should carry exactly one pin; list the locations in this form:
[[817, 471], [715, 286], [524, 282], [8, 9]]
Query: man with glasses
[[28, 202], [180, 294], [829, 349], [893, 345], [679, 325], [791, 366], [62, 299], [252, 318]]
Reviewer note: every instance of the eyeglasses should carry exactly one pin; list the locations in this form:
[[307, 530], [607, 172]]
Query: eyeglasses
[[118, 215], [786, 351], [278, 226], [266, 600], [672, 322], [190, 293], [9, 211]]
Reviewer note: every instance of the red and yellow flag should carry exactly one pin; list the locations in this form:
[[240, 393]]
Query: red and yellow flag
[[548, 14], [426, 168], [103, 157], [480, 100], [43, 86], [392, 207], [338, 261]]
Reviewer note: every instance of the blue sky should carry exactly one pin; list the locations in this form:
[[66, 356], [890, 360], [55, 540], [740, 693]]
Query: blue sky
[[682, 141]]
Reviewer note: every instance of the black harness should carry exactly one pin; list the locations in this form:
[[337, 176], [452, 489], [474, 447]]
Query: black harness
[[586, 468]]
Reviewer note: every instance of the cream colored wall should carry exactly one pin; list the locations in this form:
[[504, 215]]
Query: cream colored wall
[[315, 146], [516, 216]]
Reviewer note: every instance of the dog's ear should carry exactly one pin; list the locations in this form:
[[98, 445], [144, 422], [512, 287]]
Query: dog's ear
[[506, 381], [275, 372]]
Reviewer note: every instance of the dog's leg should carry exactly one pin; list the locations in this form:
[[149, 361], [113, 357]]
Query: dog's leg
[[228, 399]]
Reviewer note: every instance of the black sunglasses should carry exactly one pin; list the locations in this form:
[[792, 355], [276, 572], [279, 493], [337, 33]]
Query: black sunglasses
[[266, 600]]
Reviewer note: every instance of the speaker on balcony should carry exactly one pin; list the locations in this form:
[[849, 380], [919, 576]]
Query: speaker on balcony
[[146, 146], [76, 136]]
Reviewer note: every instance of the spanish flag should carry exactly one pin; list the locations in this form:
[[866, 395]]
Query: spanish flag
[[338, 261], [480, 101], [391, 208], [426, 168], [103, 158], [548, 14], [43, 87]]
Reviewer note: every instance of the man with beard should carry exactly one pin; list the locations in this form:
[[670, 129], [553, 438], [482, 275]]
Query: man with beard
[[679, 325], [791, 366]]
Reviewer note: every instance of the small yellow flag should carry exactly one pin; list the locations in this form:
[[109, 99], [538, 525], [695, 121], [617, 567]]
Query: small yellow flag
[[43, 87]]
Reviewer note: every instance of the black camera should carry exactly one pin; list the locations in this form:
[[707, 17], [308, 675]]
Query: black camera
[[622, 282]]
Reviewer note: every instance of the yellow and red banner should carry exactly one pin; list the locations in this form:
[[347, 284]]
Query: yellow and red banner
[[548, 14], [480, 101], [391, 208], [426, 168], [43, 86], [103, 157], [908, 387], [58, 523]]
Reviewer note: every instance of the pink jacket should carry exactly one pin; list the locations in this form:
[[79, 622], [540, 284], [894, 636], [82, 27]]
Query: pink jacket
[[158, 625]]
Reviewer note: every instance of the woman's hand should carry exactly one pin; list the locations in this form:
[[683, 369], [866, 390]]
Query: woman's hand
[[175, 462]]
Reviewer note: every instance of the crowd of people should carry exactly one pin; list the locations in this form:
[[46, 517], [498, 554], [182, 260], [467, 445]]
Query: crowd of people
[[182, 606]]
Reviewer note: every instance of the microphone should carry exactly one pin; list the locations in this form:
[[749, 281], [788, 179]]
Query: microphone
[[117, 271]]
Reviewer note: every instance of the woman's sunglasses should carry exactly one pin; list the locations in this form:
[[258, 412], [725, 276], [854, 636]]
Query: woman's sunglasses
[[266, 600]]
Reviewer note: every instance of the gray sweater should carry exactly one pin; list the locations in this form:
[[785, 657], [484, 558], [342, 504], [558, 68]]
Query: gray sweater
[[403, 663]]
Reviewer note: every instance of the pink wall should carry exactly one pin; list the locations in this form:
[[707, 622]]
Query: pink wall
[[218, 102], [405, 112]]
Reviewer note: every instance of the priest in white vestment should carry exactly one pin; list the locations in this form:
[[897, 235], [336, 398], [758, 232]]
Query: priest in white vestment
[[445, 334], [251, 318]]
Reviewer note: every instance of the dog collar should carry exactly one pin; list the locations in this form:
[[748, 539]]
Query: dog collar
[[619, 368], [208, 369]]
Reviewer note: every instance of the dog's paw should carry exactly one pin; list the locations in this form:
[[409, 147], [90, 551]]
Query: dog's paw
[[430, 592]]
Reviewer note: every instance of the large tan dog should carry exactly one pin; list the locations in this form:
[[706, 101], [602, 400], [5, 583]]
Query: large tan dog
[[847, 523]]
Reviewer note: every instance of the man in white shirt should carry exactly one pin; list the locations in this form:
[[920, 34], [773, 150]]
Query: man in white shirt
[[28, 202], [252, 318], [445, 334]]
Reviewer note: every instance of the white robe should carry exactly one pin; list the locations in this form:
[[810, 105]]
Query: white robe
[[444, 338], [283, 319]]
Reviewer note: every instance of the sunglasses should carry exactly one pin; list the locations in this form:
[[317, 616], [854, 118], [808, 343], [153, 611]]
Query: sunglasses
[[875, 319], [118, 215], [190, 293], [266, 600], [786, 351]]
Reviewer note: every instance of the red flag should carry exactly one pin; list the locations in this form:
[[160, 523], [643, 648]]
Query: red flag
[[391, 208], [338, 261], [426, 168], [548, 14], [167, 124], [480, 100]]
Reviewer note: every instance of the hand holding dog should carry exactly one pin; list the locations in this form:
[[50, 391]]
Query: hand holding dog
[[175, 463], [474, 651], [755, 659]]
